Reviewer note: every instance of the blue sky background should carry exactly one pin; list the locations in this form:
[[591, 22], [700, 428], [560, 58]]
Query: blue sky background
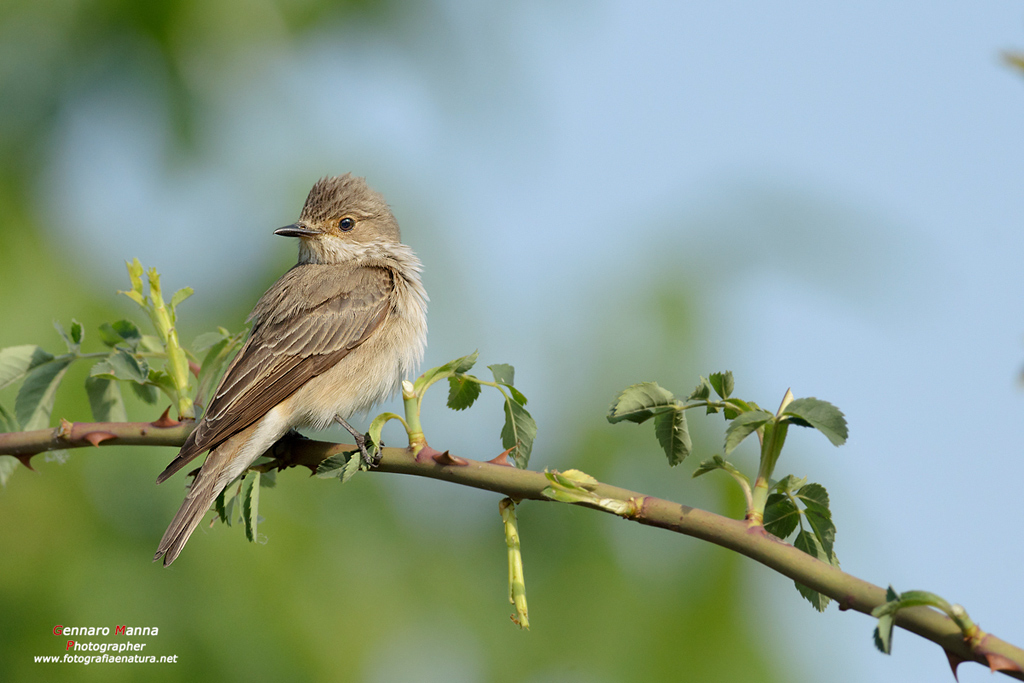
[[838, 184]]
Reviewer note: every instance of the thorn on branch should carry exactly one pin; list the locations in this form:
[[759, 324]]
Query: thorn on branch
[[165, 420], [447, 458], [194, 368], [426, 453], [96, 438], [997, 662], [954, 662], [26, 460], [502, 458]]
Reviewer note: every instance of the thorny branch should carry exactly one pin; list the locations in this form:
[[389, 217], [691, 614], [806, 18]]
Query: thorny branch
[[848, 591]]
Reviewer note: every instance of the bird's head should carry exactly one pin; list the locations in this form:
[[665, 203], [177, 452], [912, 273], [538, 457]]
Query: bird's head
[[342, 217]]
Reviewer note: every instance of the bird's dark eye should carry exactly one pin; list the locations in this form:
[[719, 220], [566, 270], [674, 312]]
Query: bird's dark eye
[[346, 224]]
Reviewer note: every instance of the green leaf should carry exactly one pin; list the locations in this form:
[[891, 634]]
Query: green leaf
[[105, 400], [181, 295], [221, 508], [146, 392], [206, 340], [354, 464], [789, 484], [503, 373], [883, 633], [376, 427], [108, 336], [34, 402], [807, 542], [781, 515], [743, 426], [734, 406], [517, 396], [122, 331], [814, 494], [128, 331], [69, 337], [459, 365], [332, 466], [717, 462], [120, 364], [722, 383], [8, 463], [641, 402], [674, 437], [73, 338], [822, 525], [162, 381], [518, 433], [343, 466], [822, 415], [268, 480], [7, 421], [151, 343], [462, 392], [17, 361], [701, 393], [251, 506], [228, 504], [214, 364], [815, 500]]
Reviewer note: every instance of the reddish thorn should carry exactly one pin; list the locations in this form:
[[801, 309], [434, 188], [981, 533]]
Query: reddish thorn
[[954, 662], [26, 460], [165, 420], [997, 662], [96, 438], [502, 458], [447, 458], [194, 368], [427, 453]]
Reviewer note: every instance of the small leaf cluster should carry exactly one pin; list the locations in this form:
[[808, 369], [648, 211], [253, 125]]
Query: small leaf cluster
[[240, 503], [150, 364], [894, 602], [782, 506], [342, 466], [817, 534], [519, 429], [175, 377]]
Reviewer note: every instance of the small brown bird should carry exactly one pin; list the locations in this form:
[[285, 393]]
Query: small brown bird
[[334, 336]]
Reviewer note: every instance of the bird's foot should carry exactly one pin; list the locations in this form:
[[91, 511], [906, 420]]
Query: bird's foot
[[370, 461]]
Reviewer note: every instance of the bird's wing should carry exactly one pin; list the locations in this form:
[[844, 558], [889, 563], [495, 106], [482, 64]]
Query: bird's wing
[[306, 322]]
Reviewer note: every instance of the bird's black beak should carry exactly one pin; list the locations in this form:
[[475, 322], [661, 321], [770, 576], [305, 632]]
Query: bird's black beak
[[296, 230]]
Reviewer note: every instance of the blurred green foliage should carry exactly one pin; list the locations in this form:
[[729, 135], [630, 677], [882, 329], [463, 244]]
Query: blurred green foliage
[[353, 584]]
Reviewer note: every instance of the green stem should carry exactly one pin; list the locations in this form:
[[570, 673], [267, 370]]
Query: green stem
[[516, 577], [758, 500], [772, 436], [412, 401]]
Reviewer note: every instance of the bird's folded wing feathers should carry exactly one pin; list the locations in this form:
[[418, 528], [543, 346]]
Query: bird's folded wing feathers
[[306, 322]]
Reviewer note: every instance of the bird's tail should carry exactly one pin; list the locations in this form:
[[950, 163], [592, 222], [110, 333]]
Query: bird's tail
[[205, 489], [224, 463]]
